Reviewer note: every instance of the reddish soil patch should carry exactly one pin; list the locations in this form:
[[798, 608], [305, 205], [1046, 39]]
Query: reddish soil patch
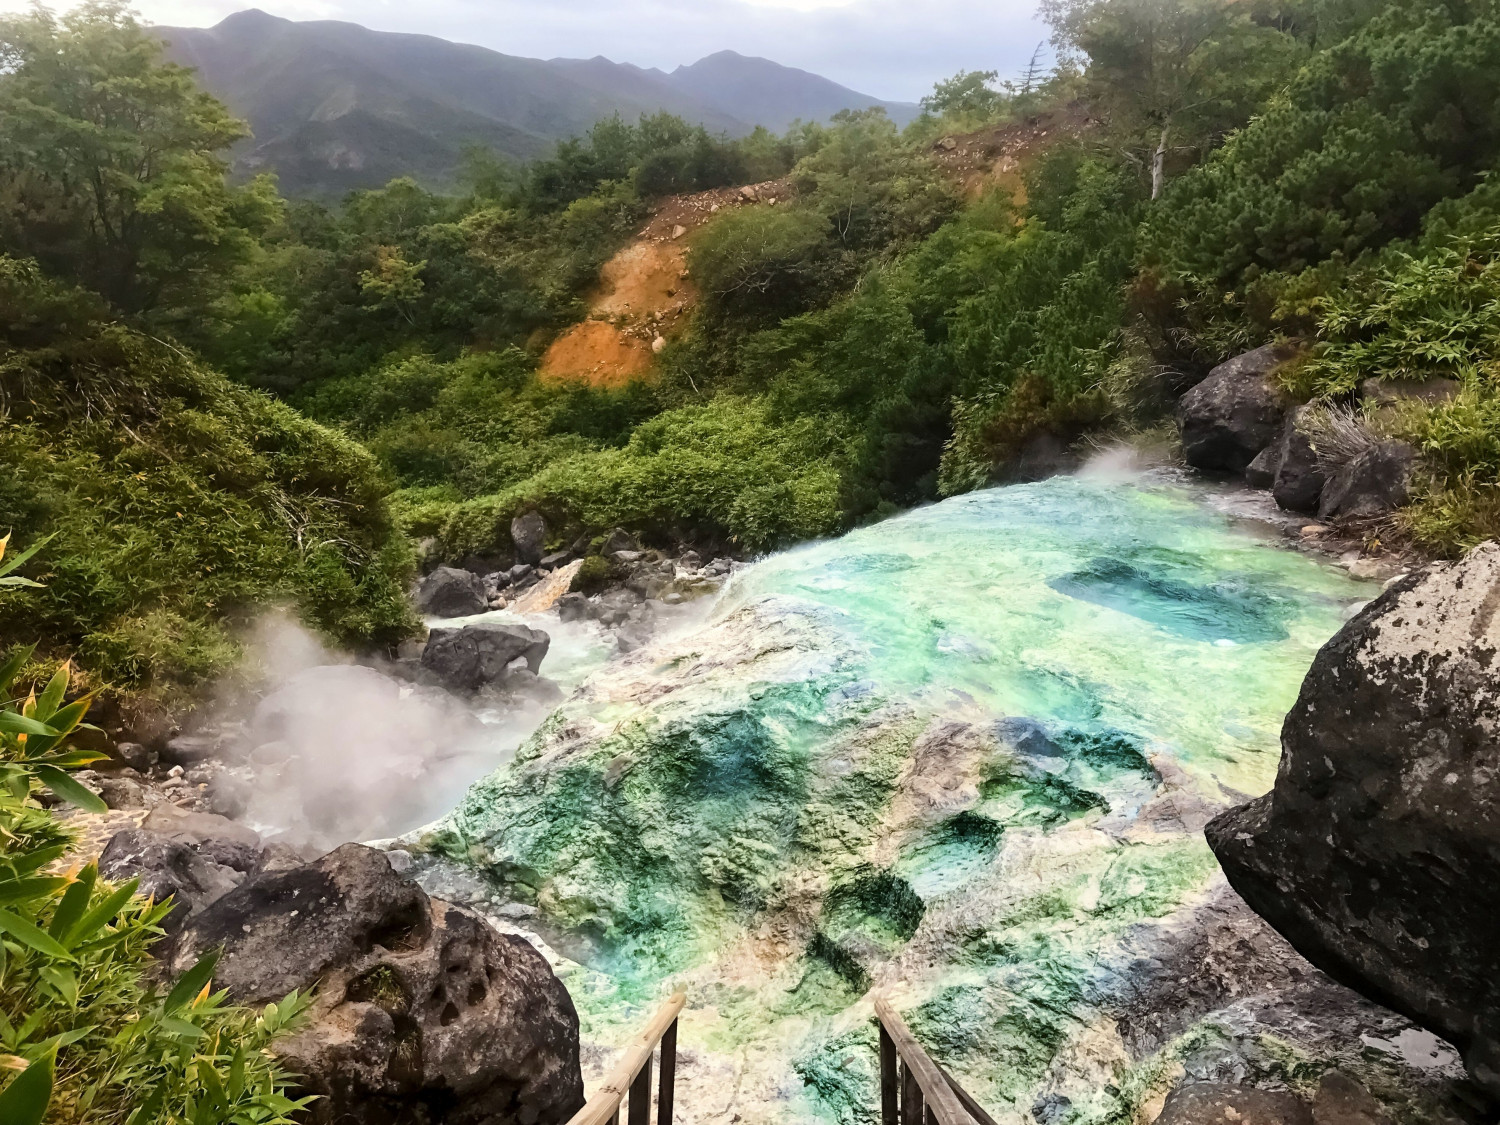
[[644, 292]]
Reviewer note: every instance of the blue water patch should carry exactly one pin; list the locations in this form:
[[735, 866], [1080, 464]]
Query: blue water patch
[[1221, 610]]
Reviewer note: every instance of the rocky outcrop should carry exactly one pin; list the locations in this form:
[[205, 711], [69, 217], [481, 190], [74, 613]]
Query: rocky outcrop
[[1235, 413], [528, 532], [475, 656], [450, 592], [1378, 851], [422, 1011], [1372, 484]]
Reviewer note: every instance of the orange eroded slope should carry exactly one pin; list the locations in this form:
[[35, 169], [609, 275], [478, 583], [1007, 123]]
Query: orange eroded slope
[[644, 292]]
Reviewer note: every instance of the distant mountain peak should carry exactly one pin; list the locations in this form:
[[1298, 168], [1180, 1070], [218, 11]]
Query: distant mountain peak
[[335, 106]]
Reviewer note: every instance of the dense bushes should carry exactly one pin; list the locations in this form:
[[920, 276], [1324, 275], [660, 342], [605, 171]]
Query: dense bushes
[[722, 470], [178, 503]]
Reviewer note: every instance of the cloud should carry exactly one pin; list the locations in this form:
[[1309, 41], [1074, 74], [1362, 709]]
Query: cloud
[[893, 49]]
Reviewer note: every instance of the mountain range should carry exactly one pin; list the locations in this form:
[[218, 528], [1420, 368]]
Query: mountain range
[[335, 106]]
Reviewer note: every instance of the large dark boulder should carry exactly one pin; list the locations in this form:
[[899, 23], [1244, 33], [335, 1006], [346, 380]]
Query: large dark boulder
[[528, 533], [1372, 484], [476, 655], [422, 1013], [450, 592], [1377, 854], [1236, 412], [1299, 480]]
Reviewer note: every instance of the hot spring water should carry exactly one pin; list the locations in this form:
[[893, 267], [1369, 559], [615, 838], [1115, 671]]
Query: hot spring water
[[962, 756]]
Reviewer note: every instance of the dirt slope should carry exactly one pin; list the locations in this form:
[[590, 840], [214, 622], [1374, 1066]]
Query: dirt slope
[[644, 291]]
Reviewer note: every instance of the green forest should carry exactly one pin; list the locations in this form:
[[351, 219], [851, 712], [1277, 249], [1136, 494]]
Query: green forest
[[214, 398]]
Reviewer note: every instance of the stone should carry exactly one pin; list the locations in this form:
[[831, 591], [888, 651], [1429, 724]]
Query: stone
[[1387, 803], [122, 792], [1261, 473], [229, 795], [476, 655], [450, 592], [522, 573], [136, 756], [422, 1011], [658, 345], [690, 560], [498, 580], [400, 861], [190, 749], [1042, 457], [528, 533], [555, 560], [1214, 1103], [213, 836], [1300, 481], [1374, 483], [167, 868], [1233, 414], [619, 540]]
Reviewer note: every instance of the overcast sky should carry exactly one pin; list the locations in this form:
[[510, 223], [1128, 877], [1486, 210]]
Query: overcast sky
[[894, 49]]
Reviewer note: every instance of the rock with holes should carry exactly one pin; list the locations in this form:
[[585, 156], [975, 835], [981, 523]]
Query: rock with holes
[[423, 1013], [1230, 417], [1377, 854]]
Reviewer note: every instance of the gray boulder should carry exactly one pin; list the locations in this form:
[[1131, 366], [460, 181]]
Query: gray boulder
[[467, 659], [450, 592], [1374, 483], [1236, 412], [1299, 481], [422, 1011], [528, 532], [1377, 853]]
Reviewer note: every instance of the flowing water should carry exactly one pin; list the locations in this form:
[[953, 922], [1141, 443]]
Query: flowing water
[[962, 757]]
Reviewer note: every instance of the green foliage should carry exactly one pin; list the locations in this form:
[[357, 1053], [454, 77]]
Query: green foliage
[[722, 469], [969, 93], [593, 575], [111, 173], [1369, 136], [178, 504], [1173, 75], [92, 1041]]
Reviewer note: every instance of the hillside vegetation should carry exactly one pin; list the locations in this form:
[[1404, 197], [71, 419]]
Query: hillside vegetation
[[886, 334]]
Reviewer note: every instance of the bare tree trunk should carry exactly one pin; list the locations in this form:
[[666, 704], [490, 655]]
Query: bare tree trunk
[[1159, 163]]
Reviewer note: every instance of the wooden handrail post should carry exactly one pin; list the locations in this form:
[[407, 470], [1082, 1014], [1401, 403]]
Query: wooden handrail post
[[640, 1096], [888, 1102], [668, 1075], [928, 1096], [634, 1071]]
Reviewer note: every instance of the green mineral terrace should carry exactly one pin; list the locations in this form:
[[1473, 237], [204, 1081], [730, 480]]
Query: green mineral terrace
[[960, 757]]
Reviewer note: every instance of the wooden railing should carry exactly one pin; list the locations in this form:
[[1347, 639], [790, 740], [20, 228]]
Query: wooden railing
[[632, 1074], [914, 1090]]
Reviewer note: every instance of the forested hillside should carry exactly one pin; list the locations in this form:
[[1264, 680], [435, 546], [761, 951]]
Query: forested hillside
[[215, 398]]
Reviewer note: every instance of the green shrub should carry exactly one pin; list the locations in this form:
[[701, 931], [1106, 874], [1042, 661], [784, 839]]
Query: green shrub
[[724, 469], [179, 504]]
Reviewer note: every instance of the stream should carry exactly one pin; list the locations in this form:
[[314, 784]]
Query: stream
[[962, 756]]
